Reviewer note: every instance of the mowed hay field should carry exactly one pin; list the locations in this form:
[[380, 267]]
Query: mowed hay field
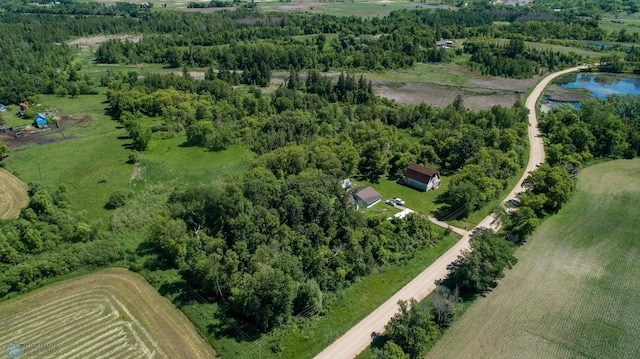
[[13, 195], [111, 314], [575, 292]]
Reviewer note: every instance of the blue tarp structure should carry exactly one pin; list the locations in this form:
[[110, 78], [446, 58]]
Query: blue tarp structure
[[40, 120], [3, 108]]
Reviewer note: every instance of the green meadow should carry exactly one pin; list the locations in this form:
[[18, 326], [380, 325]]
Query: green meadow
[[575, 290]]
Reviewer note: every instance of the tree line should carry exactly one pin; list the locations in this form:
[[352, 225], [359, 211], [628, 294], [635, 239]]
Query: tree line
[[49, 240], [37, 60]]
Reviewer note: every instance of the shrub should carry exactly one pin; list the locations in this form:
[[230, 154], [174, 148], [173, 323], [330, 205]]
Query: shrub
[[119, 197]]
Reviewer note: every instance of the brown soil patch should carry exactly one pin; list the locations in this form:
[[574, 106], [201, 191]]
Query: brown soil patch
[[13, 195], [205, 10], [475, 98], [198, 75], [297, 6], [89, 41], [52, 134], [112, 313]]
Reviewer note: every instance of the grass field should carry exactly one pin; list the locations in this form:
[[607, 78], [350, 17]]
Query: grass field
[[13, 195], [559, 48], [112, 313], [87, 157], [629, 22], [365, 8], [171, 159], [575, 290]]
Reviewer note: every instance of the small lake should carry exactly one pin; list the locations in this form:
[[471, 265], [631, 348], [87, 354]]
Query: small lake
[[599, 85], [602, 85]]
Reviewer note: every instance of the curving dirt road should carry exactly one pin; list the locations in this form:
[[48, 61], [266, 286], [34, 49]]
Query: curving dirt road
[[358, 337]]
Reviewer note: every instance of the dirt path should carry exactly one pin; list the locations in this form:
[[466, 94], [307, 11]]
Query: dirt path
[[358, 337], [13, 195]]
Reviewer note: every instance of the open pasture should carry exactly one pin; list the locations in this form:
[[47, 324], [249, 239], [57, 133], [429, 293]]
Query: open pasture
[[575, 290], [629, 22], [366, 8], [13, 195], [107, 314], [440, 84]]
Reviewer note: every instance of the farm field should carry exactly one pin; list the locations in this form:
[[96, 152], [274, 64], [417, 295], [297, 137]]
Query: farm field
[[559, 48], [365, 8], [629, 22], [13, 195], [574, 292], [112, 313]]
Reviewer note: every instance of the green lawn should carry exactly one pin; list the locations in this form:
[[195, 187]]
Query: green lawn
[[171, 159], [575, 292], [90, 158], [418, 201]]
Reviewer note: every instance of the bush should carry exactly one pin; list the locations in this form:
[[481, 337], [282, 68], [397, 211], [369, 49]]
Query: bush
[[134, 157], [119, 198]]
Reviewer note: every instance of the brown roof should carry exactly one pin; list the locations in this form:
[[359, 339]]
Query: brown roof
[[419, 173], [367, 194]]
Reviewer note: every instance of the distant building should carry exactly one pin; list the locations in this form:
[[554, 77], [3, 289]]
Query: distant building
[[420, 178], [366, 196]]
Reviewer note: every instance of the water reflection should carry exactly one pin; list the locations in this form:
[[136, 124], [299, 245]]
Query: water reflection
[[602, 85]]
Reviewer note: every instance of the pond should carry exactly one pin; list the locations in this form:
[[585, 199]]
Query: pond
[[602, 85], [569, 88]]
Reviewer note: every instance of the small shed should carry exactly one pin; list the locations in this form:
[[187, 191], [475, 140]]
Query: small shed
[[40, 120], [420, 178], [3, 108], [366, 196]]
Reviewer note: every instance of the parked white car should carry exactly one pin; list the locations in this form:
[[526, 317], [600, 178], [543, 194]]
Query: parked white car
[[398, 201]]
